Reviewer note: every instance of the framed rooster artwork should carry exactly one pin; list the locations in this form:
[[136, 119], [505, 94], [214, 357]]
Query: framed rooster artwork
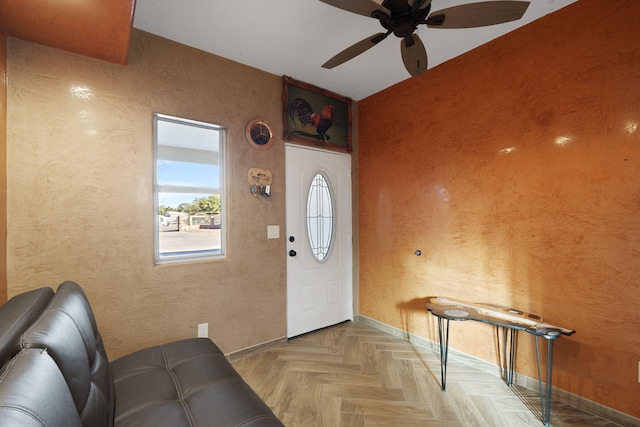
[[317, 117]]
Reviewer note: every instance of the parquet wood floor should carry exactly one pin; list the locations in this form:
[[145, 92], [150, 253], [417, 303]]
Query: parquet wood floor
[[354, 375]]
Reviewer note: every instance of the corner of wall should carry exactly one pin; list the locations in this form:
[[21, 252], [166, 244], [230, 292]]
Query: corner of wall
[[3, 164]]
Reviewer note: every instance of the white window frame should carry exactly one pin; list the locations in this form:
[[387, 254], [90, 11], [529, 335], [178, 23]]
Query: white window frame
[[221, 190]]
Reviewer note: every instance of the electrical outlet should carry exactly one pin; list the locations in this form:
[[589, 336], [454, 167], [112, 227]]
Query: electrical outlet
[[203, 330]]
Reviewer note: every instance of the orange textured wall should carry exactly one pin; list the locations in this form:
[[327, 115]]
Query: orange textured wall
[[97, 28], [516, 169]]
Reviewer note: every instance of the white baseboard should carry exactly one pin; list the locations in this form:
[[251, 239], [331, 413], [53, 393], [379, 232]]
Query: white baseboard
[[258, 348]]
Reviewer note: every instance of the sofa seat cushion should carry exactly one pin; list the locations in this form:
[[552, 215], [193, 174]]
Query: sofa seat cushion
[[184, 383]]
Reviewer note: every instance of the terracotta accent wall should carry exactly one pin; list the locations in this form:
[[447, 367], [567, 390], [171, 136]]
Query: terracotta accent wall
[[96, 28], [516, 170], [3, 167], [80, 190]]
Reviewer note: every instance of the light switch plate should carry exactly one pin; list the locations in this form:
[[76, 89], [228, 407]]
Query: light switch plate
[[273, 231]]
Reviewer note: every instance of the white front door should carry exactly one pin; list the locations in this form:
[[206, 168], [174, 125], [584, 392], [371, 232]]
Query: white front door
[[319, 259]]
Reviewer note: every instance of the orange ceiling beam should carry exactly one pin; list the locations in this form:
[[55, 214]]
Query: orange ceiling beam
[[99, 29]]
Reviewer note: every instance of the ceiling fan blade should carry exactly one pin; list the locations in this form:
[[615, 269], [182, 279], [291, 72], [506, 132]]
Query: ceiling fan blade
[[361, 7], [473, 15], [355, 50], [414, 55]]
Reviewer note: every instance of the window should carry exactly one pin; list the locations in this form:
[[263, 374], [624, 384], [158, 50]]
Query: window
[[320, 216], [189, 184]]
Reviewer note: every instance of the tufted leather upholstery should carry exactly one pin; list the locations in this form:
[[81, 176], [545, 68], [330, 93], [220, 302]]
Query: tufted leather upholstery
[[183, 383], [33, 393], [66, 329], [16, 316]]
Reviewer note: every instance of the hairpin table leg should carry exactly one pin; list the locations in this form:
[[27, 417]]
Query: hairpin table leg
[[510, 336], [443, 334], [545, 399]]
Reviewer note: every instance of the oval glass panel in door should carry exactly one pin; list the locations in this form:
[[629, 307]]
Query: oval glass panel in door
[[320, 216]]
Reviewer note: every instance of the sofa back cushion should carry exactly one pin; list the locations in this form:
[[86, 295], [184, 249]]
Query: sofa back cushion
[[101, 376], [15, 317], [67, 329], [33, 393]]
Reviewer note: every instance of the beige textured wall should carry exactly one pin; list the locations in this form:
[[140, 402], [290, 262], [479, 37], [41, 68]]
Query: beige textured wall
[[515, 169], [80, 192], [3, 167]]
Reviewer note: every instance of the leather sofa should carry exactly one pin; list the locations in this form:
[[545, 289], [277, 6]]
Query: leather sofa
[[54, 372]]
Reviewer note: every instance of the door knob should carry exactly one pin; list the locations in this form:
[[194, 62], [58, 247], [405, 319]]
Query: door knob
[[292, 253]]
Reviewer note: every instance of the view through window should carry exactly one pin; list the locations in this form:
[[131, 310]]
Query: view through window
[[189, 189]]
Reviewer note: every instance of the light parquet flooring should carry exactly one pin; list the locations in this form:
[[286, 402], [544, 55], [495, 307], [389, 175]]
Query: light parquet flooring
[[354, 375]]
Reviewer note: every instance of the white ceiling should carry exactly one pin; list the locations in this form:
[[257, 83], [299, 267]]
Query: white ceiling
[[295, 37]]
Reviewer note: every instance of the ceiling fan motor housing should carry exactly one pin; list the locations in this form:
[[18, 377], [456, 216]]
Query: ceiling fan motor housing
[[404, 18], [404, 26]]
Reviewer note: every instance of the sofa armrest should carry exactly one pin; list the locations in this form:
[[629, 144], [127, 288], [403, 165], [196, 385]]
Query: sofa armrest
[[33, 393], [16, 315]]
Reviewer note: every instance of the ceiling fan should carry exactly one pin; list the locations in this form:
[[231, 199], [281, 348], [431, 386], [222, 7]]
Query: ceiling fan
[[402, 17]]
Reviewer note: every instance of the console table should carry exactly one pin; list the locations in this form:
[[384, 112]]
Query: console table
[[511, 321]]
